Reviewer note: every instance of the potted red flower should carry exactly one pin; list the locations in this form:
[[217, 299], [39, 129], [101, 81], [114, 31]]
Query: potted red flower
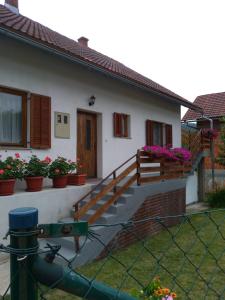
[[34, 172], [10, 169], [58, 172], [78, 177]]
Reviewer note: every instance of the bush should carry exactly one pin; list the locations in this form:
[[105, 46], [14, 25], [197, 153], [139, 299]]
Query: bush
[[36, 167], [11, 167], [59, 167], [216, 199]]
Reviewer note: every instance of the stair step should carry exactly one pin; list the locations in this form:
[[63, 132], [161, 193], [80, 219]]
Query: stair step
[[112, 209], [121, 199], [104, 218]]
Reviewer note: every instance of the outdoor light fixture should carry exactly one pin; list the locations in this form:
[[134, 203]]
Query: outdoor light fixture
[[92, 100]]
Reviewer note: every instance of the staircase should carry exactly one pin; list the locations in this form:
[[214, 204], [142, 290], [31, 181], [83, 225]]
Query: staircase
[[114, 200]]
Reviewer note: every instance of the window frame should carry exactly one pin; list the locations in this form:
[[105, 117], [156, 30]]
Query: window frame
[[121, 125], [161, 132], [164, 137], [24, 96]]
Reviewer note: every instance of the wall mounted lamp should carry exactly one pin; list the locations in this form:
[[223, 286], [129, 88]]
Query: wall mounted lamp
[[92, 100]]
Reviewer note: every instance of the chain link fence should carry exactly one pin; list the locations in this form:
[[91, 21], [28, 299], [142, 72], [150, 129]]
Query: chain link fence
[[189, 258]]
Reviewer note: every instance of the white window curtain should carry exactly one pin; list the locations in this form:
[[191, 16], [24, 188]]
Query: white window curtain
[[10, 118], [157, 134]]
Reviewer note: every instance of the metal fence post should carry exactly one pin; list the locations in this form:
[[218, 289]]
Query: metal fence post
[[23, 242]]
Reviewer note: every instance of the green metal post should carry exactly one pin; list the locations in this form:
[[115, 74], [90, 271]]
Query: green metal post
[[55, 276], [23, 241]]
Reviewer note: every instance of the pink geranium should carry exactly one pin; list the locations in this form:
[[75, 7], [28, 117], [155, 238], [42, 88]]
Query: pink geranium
[[17, 155], [2, 172], [182, 154], [175, 154], [48, 159]]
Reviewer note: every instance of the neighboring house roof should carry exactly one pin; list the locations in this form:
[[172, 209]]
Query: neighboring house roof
[[17, 24], [213, 106]]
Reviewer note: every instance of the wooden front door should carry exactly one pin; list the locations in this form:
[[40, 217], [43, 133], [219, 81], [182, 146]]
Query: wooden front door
[[87, 142]]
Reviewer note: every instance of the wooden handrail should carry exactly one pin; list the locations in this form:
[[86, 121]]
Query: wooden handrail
[[112, 200], [165, 170], [105, 190], [104, 179]]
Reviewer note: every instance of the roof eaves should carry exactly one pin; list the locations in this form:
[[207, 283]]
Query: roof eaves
[[58, 51]]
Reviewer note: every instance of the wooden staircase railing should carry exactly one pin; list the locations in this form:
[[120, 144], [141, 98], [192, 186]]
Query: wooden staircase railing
[[157, 169], [111, 186], [147, 169], [141, 169]]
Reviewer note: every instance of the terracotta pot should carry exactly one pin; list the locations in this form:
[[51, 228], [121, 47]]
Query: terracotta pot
[[34, 184], [77, 179], [60, 182], [7, 187]]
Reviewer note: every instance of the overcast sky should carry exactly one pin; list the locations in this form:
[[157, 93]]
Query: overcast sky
[[177, 43]]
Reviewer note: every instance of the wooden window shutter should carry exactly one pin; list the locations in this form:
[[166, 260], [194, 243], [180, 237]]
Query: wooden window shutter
[[149, 132], [40, 122], [117, 121], [169, 135], [125, 120]]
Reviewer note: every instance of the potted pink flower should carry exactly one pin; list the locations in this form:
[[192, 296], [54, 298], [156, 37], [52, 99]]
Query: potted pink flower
[[34, 172], [159, 152], [58, 172], [76, 176], [181, 154], [10, 169]]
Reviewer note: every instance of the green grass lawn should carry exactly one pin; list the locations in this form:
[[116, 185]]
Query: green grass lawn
[[198, 243]]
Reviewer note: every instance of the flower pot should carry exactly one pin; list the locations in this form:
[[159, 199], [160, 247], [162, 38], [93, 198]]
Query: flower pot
[[60, 182], [7, 187], [34, 184], [77, 179]]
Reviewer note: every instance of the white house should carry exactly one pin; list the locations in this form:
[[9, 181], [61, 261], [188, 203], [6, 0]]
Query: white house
[[60, 97]]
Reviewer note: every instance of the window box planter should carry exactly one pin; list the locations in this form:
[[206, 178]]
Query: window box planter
[[7, 187], [34, 184], [77, 179], [60, 182]]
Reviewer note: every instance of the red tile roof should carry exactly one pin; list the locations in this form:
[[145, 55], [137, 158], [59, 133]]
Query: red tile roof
[[34, 31], [213, 106]]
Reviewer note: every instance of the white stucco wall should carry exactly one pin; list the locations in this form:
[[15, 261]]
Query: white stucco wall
[[192, 189], [52, 204], [70, 86]]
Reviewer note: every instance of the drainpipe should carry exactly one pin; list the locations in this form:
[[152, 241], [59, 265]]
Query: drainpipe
[[211, 152]]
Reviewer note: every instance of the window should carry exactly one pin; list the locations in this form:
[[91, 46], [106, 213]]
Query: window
[[13, 117], [158, 134], [121, 125]]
